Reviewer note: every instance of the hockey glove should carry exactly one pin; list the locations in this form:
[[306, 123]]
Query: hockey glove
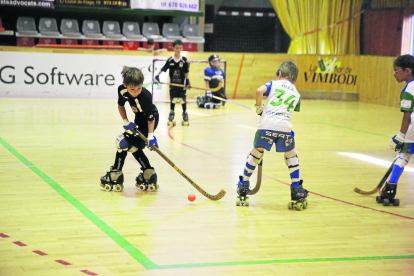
[[397, 141], [259, 109], [187, 84], [157, 80], [131, 128], [152, 140]]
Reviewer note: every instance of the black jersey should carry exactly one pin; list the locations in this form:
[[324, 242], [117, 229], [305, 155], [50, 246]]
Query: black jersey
[[178, 69], [141, 105]]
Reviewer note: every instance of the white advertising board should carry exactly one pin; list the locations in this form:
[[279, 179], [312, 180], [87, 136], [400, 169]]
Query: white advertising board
[[57, 75]]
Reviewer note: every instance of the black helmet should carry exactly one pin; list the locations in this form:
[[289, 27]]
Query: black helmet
[[211, 58]]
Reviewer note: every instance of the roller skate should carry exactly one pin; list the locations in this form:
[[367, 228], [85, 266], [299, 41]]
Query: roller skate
[[243, 188], [185, 121], [113, 178], [171, 120], [387, 195], [298, 197], [147, 180]]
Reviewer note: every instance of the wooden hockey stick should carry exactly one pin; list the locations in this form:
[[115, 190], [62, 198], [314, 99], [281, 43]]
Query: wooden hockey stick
[[204, 193], [232, 102], [258, 180], [198, 88], [381, 183]]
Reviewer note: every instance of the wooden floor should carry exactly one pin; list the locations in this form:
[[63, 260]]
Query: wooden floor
[[55, 219]]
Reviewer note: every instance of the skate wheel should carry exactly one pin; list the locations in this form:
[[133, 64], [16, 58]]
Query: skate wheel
[[238, 201], [299, 206], [290, 205], [305, 205], [151, 187], [169, 123], [143, 187], [396, 202], [379, 199], [386, 202], [119, 187], [102, 185], [174, 123], [108, 187], [247, 201]]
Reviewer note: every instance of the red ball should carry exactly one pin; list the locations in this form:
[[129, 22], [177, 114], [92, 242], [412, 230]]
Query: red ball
[[191, 197]]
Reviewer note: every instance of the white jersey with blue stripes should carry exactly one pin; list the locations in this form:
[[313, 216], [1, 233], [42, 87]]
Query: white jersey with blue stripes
[[282, 100]]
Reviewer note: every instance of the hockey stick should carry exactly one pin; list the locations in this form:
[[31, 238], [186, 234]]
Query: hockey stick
[[198, 88], [258, 181], [232, 102], [381, 183], [204, 193]]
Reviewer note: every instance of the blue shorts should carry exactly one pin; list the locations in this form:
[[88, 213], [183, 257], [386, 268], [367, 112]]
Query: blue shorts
[[408, 148], [266, 138]]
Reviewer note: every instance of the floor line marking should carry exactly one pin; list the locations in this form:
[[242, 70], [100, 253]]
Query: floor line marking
[[115, 236]]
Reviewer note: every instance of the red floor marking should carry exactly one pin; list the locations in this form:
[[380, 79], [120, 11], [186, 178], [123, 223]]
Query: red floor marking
[[89, 272], [19, 243], [3, 235], [38, 252], [349, 203], [62, 262]]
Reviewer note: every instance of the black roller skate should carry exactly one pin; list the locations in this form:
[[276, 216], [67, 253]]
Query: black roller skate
[[171, 120], [185, 121], [147, 180], [298, 197], [113, 178], [243, 188], [387, 195]]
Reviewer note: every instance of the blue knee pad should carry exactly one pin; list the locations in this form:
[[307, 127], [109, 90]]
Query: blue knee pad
[[121, 143]]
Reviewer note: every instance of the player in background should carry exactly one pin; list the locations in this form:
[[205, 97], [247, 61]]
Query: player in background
[[275, 127], [146, 119], [178, 67], [213, 75], [151, 48], [404, 140]]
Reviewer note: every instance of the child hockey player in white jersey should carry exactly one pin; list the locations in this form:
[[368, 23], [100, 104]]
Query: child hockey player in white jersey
[[276, 128], [404, 140]]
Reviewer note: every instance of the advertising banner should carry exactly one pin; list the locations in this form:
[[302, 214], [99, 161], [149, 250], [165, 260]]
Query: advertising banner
[[172, 5], [29, 3], [56, 75]]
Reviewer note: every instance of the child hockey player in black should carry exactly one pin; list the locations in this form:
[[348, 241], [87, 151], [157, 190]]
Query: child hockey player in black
[[179, 71], [146, 119]]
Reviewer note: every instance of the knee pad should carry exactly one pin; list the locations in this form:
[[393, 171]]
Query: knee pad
[[403, 159], [121, 143], [255, 156], [292, 159]]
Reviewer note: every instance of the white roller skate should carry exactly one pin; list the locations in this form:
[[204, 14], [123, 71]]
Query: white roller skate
[[113, 178], [147, 180]]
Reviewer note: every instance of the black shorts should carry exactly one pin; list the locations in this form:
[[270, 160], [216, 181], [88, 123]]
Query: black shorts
[[142, 124], [177, 93]]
